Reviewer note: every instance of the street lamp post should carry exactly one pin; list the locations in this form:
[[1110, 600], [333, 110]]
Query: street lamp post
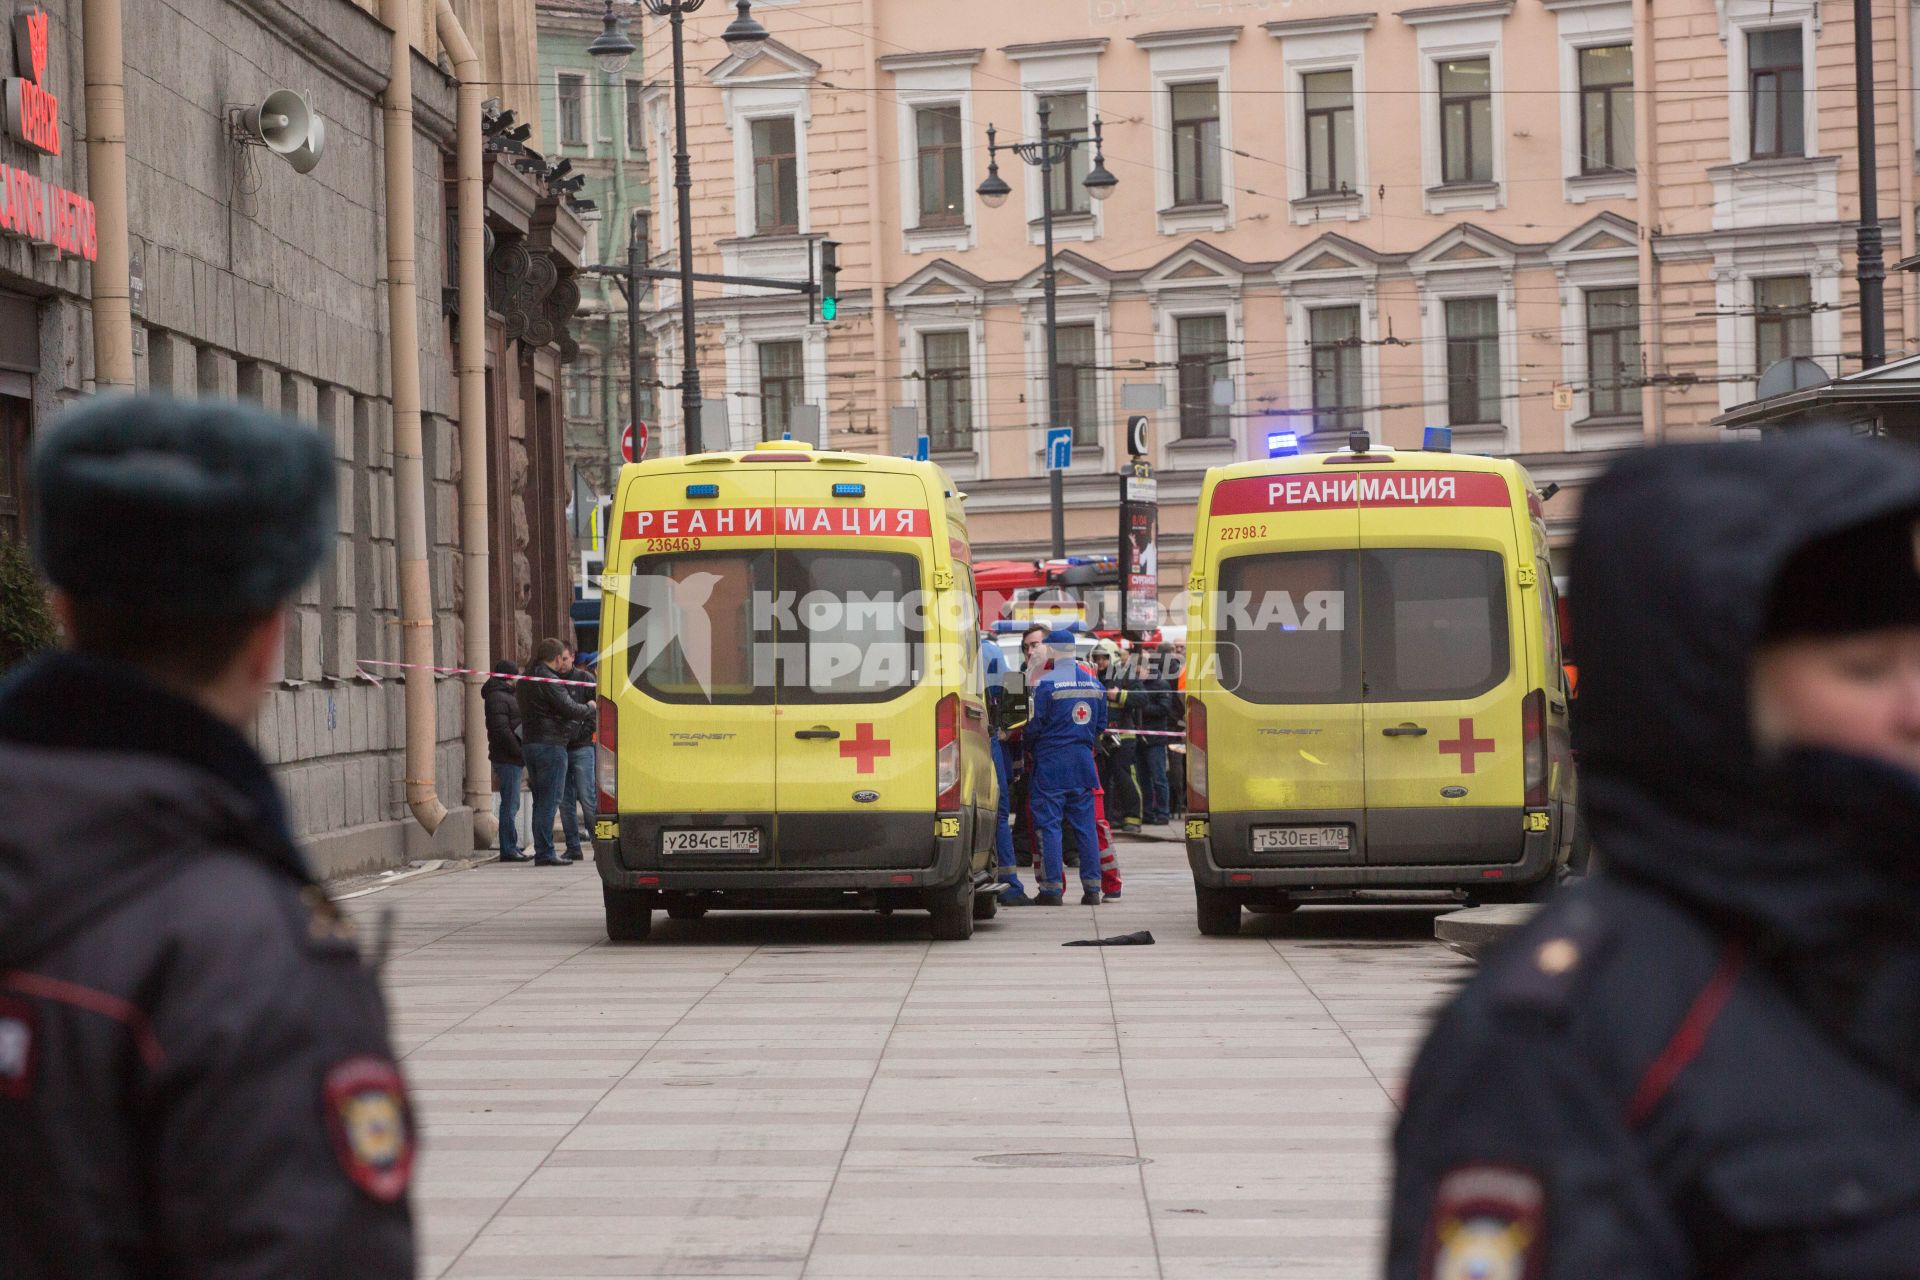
[[993, 192], [611, 50]]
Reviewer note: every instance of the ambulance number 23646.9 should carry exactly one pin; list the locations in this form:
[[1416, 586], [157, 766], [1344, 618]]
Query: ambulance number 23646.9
[[657, 545]]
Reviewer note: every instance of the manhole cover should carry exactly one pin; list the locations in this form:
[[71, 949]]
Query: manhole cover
[[1059, 1160]]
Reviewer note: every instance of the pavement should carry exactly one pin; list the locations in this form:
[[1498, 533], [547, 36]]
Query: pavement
[[822, 1095]]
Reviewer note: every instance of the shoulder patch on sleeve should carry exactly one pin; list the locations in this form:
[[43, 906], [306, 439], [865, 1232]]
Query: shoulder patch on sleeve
[[1488, 1224], [371, 1124], [16, 1048], [1540, 973]]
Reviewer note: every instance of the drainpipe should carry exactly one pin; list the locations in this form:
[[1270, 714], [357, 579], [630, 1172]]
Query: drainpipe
[[409, 471], [1653, 408], [1903, 162], [106, 96], [475, 555]]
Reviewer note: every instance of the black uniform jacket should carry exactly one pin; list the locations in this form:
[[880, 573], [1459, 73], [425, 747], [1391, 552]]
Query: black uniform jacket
[[195, 1076], [1705, 1062], [503, 721], [549, 713]]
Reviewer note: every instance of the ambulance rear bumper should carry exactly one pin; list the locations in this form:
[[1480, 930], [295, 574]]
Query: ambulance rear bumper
[[801, 853], [1492, 849]]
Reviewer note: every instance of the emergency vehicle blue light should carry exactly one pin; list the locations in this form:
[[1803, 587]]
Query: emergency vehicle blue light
[[1438, 440], [844, 490], [1282, 444], [703, 491]]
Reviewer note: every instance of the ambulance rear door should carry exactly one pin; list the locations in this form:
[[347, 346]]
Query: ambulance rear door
[[1443, 657], [854, 741], [696, 728], [1287, 766]]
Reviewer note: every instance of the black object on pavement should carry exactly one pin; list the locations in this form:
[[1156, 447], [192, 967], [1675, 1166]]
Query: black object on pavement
[[1143, 938]]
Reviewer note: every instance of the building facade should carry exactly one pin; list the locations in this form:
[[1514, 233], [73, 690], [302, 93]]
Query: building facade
[[253, 280], [1551, 225]]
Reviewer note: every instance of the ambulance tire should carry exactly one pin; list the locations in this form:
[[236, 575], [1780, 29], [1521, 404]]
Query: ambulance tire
[[629, 913], [986, 905], [1218, 912], [951, 911]]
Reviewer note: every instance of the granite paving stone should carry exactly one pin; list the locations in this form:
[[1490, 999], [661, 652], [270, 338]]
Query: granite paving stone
[[834, 1095]]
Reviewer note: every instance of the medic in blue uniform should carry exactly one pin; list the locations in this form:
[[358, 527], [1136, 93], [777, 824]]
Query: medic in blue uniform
[[1069, 714], [993, 661]]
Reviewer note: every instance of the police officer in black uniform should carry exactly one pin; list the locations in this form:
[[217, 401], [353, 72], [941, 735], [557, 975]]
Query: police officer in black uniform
[[1705, 1061], [195, 1073]]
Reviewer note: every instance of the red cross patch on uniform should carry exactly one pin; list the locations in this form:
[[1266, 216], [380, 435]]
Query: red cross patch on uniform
[[1082, 713], [16, 1048], [371, 1125], [1487, 1224]]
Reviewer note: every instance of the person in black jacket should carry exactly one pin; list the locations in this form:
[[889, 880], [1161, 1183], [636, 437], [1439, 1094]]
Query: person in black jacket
[[581, 794], [195, 1073], [549, 718], [1154, 714], [1705, 1061], [503, 750]]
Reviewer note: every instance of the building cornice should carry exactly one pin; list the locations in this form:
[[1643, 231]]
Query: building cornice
[[1187, 36], [1323, 26], [1056, 49], [1456, 12], [922, 61]]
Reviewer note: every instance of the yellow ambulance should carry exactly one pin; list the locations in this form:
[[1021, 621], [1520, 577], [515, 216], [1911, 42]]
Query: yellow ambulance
[[1375, 694], [792, 701]]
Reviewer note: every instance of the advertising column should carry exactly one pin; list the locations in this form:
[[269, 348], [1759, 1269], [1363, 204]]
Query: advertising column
[[1139, 549]]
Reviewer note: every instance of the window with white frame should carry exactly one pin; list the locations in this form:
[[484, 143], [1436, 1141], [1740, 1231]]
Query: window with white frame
[[1782, 319], [947, 372], [776, 176], [1196, 143], [941, 156], [1473, 361], [1334, 339], [1078, 380], [571, 95], [1201, 343], [1606, 109], [783, 381], [636, 120], [1776, 83], [1613, 352], [1328, 97], [1067, 117], [1466, 120]]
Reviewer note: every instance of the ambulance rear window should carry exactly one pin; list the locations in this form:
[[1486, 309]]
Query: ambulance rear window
[[693, 631], [1434, 622], [1287, 627]]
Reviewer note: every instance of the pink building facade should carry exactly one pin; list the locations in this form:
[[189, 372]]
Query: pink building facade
[[1562, 227]]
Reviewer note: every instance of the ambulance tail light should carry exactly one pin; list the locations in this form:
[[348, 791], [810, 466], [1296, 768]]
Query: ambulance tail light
[[1533, 734], [606, 765], [1196, 756], [946, 753]]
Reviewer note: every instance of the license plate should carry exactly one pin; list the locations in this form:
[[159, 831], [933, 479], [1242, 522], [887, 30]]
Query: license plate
[[1288, 839], [711, 840]]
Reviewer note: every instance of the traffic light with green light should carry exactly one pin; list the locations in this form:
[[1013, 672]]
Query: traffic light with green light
[[829, 279]]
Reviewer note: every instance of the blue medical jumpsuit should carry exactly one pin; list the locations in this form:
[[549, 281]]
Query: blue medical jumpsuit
[[1069, 714], [993, 661]]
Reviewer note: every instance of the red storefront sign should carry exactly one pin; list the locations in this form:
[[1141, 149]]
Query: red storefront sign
[[44, 213]]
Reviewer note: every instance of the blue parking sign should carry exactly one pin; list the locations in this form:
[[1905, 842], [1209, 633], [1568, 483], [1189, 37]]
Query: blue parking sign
[[1059, 448]]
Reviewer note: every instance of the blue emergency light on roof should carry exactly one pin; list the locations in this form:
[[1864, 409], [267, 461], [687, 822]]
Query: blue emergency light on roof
[[1438, 440], [845, 490], [1282, 444], [703, 491]]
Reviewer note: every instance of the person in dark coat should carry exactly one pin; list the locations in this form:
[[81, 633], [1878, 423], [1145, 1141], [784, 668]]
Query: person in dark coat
[[503, 749], [581, 794], [1705, 1061], [195, 1072], [1154, 714], [549, 718]]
